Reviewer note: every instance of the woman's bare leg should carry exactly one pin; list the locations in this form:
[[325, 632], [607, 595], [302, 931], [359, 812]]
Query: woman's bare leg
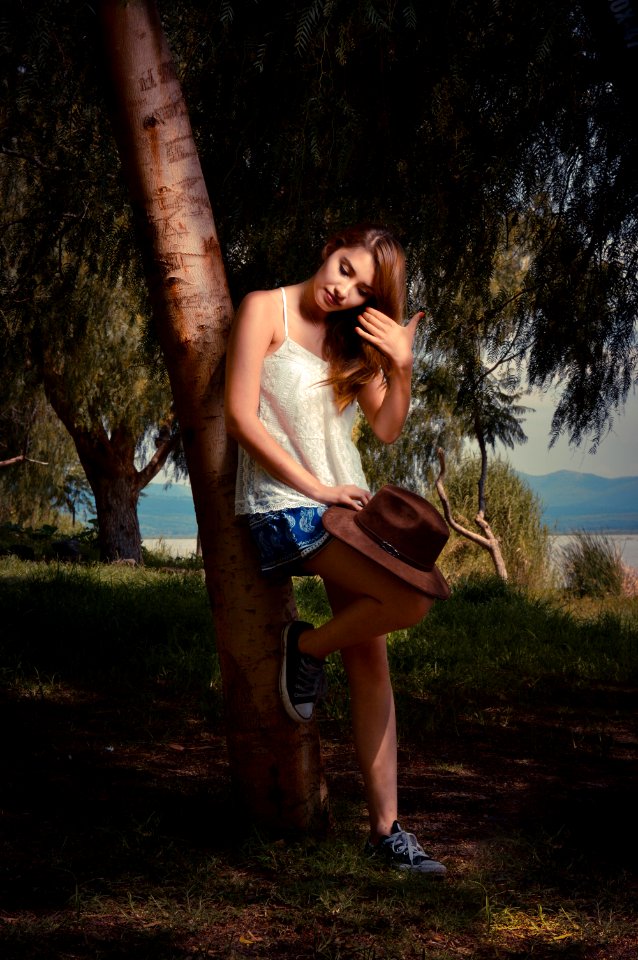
[[367, 602], [378, 603], [373, 720], [374, 730]]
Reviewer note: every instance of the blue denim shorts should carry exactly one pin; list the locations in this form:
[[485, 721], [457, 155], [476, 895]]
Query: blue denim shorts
[[286, 537]]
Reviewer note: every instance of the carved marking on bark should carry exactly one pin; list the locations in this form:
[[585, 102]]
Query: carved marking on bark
[[147, 81], [171, 109], [211, 244], [166, 227], [187, 301], [171, 200], [189, 182], [179, 149], [171, 262]]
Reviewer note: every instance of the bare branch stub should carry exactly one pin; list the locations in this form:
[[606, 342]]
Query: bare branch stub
[[22, 458]]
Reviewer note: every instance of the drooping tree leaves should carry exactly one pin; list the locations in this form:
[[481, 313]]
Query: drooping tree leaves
[[73, 308], [453, 122]]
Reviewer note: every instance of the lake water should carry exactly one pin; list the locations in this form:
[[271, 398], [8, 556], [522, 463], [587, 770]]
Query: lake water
[[627, 543]]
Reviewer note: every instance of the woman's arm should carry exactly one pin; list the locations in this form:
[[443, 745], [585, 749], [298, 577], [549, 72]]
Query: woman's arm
[[386, 405], [253, 334]]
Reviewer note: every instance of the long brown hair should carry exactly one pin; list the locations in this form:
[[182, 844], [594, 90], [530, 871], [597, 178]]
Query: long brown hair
[[353, 361]]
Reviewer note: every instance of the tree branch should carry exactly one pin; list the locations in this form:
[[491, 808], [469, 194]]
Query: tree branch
[[22, 459], [445, 503], [489, 541], [165, 446]]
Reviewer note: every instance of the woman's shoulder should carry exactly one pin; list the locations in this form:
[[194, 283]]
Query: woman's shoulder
[[260, 315], [261, 300]]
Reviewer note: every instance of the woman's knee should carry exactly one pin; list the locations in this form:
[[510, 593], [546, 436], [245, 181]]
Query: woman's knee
[[411, 608], [366, 664]]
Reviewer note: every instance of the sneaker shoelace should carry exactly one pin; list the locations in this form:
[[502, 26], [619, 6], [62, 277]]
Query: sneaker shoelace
[[406, 846], [310, 682]]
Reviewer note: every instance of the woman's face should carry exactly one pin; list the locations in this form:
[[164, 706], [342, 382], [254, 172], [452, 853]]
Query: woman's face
[[345, 279]]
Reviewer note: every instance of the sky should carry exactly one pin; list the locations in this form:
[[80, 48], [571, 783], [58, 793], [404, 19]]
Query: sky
[[617, 455]]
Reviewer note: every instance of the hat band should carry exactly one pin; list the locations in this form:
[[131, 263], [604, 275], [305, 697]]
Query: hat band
[[390, 548]]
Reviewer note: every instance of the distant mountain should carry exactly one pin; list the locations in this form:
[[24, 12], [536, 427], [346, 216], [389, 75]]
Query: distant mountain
[[167, 511], [584, 501], [571, 501]]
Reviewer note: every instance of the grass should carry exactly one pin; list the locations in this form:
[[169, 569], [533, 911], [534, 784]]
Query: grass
[[518, 757], [498, 639], [495, 641], [592, 566], [106, 623]]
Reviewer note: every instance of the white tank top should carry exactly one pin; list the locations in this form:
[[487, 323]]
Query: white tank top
[[300, 413]]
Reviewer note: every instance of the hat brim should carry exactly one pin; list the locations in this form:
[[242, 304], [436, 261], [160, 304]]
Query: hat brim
[[339, 521]]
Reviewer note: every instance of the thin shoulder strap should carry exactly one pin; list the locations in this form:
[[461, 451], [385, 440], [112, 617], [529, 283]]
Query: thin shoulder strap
[[283, 297]]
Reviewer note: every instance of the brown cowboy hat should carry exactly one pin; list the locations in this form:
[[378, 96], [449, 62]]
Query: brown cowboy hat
[[399, 530]]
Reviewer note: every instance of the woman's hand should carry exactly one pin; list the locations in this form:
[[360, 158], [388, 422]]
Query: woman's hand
[[389, 337], [346, 495], [386, 401]]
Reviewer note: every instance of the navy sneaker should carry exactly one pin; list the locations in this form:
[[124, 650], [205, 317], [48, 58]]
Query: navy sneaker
[[403, 851], [302, 680]]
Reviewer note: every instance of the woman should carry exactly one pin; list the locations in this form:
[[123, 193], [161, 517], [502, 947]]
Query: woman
[[299, 360]]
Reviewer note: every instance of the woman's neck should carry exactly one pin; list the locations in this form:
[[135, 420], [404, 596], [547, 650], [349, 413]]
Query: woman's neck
[[307, 306]]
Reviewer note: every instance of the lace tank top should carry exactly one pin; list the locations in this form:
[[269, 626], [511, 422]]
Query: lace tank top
[[299, 411]]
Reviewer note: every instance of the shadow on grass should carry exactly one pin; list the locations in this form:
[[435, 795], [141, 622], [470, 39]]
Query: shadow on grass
[[561, 784], [104, 794], [119, 832], [117, 939]]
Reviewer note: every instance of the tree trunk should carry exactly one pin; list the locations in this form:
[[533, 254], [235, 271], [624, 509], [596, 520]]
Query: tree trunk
[[275, 763], [482, 480], [109, 465], [119, 535]]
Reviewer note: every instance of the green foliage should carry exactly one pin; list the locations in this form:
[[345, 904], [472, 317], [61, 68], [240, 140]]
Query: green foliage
[[479, 128], [499, 140], [494, 640], [48, 542], [95, 363], [463, 387], [592, 566], [31, 491], [162, 559], [76, 494], [311, 597], [61, 180], [514, 513], [107, 624], [430, 424], [74, 313]]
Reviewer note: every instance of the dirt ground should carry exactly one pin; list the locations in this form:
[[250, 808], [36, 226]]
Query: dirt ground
[[78, 768]]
